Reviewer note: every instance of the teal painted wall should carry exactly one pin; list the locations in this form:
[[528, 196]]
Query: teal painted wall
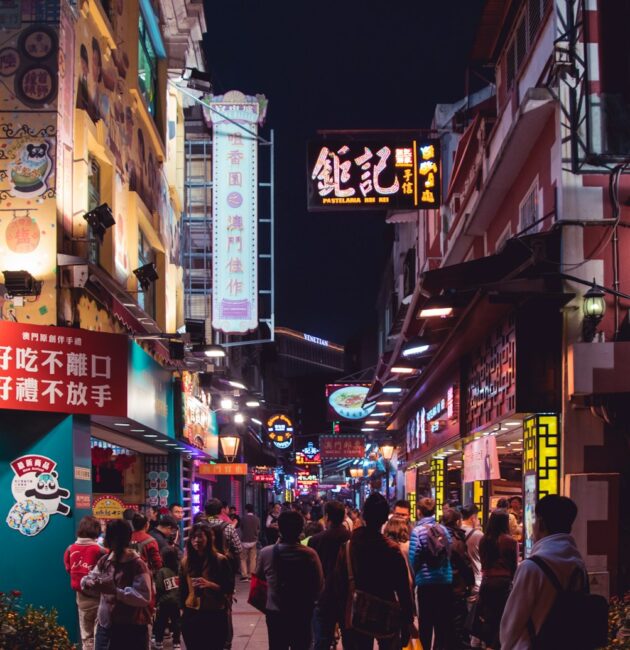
[[35, 564]]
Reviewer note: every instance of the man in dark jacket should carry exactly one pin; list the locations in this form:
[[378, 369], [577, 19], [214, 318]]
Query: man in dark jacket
[[165, 531], [380, 569], [293, 573], [327, 545]]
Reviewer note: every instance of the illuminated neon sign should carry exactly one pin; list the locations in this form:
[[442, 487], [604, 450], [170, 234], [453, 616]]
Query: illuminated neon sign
[[308, 456], [315, 339], [391, 174], [280, 430]]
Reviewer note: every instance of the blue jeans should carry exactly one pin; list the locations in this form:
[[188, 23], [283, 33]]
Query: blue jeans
[[122, 637]]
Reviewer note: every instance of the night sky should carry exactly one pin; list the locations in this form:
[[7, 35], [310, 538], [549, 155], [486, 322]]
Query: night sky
[[339, 65]]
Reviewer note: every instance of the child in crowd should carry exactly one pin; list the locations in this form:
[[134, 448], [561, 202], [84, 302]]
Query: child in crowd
[[167, 593]]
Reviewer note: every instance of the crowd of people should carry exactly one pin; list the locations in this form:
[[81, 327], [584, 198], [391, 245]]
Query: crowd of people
[[330, 573]]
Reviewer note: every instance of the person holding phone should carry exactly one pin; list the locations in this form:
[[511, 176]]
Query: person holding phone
[[206, 586]]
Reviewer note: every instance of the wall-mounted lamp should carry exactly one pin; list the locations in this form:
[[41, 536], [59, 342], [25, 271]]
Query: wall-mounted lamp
[[100, 219], [197, 79], [229, 445], [21, 283], [356, 472], [146, 275], [594, 307]]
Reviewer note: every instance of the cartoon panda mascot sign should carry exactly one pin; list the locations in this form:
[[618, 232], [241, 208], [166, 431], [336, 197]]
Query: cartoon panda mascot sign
[[36, 490]]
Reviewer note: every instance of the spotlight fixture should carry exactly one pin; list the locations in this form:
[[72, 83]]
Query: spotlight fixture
[[237, 384], [100, 219], [239, 418], [196, 330], [252, 404], [197, 79], [415, 348], [21, 283], [215, 352], [403, 370], [176, 350], [146, 275], [227, 404], [438, 307]]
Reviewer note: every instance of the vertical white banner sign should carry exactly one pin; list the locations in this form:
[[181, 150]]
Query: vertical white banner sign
[[235, 211]]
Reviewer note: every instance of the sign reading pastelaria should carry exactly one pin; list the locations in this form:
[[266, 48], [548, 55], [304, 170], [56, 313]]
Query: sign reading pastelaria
[[38, 496], [63, 370]]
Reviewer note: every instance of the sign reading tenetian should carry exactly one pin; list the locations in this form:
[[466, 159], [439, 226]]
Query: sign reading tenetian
[[395, 174]]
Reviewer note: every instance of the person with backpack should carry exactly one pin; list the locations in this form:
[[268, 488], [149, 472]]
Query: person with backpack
[[499, 558], [145, 545], [79, 559], [473, 536], [206, 588], [430, 559], [549, 605], [463, 577], [123, 582], [167, 599], [294, 576], [371, 585]]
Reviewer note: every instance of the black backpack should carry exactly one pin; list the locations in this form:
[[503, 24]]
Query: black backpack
[[577, 619], [437, 550]]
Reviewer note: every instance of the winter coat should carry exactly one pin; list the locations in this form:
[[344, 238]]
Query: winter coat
[[425, 575], [80, 558]]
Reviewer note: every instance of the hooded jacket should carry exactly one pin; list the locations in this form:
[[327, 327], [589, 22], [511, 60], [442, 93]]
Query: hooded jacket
[[533, 595], [80, 558]]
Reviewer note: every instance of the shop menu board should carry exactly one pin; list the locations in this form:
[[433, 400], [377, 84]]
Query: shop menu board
[[62, 369], [347, 401], [481, 460]]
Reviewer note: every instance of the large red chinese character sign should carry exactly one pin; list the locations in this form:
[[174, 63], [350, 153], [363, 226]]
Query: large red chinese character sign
[[370, 175], [235, 120], [62, 369]]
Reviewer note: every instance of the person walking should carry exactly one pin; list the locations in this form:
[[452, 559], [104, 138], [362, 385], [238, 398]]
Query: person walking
[[165, 532], [123, 582], [144, 544], [271, 524], [429, 557], [378, 569], [250, 530], [472, 536], [167, 599], [533, 594], [463, 578], [499, 557], [79, 559], [397, 529], [294, 576], [206, 588], [327, 545]]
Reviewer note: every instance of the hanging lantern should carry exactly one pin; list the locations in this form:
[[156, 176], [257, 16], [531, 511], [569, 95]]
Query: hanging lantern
[[229, 445], [22, 234]]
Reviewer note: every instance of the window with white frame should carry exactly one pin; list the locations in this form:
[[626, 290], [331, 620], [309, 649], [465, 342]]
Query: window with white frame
[[528, 210]]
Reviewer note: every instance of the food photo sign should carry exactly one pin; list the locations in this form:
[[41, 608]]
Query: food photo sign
[[347, 401]]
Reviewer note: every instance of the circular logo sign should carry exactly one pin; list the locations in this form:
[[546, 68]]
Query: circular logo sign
[[234, 200], [280, 430]]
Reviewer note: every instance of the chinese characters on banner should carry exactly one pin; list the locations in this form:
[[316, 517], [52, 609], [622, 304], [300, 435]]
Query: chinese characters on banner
[[62, 369], [235, 119], [371, 175], [342, 447], [223, 469]]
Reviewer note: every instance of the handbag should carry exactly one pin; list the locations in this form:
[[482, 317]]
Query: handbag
[[258, 594], [368, 614]]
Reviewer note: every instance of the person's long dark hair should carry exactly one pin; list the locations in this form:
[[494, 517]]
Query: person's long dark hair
[[118, 537], [498, 524], [195, 562]]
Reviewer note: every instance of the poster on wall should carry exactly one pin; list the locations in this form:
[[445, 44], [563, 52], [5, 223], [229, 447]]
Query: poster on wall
[[235, 120], [530, 489], [37, 493], [481, 460]]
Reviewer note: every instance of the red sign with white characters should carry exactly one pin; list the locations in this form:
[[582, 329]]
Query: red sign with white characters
[[342, 446], [62, 369]]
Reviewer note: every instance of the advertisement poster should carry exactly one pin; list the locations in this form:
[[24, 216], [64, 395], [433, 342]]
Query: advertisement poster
[[481, 460], [529, 515], [37, 493], [347, 402]]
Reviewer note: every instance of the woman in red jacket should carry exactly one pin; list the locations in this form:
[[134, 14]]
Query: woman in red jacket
[[79, 559]]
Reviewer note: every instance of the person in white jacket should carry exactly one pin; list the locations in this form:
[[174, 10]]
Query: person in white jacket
[[533, 595]]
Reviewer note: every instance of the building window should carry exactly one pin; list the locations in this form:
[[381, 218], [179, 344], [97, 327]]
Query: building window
[[528, 210], [609, 113], [93, 201], [146, 255], [147, 67]]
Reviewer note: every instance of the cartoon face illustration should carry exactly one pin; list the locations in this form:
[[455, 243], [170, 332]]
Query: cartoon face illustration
[[36, 151], [47, 490]]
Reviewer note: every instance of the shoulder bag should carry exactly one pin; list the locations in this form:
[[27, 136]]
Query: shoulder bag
[[368, 614]]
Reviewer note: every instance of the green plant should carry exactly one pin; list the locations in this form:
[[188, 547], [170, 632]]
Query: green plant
[[23, 627], [619, 623]]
